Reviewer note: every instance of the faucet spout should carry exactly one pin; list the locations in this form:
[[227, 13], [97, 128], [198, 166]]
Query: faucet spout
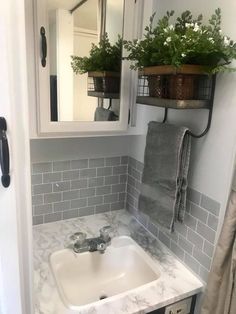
[[101, 247], [81, 244]]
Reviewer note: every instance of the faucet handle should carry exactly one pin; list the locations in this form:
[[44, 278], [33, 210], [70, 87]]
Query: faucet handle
[[78, 237], [105, 233]]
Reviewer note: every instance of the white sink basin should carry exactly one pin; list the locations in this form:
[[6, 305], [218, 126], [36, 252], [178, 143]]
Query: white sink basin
[[86, 278]]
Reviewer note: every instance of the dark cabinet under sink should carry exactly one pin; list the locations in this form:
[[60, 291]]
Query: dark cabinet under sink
[[185, 306]]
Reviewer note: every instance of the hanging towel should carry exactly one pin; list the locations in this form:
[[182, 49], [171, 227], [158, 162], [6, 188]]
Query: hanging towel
[[102, 114], [164, 180]]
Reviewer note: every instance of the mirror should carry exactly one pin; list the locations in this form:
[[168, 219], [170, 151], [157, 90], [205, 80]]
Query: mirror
[[73, 27]]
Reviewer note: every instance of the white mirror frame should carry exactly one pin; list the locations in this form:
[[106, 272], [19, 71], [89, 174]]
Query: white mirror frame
[[132, 27]]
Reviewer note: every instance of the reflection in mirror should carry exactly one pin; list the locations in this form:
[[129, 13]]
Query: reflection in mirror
[[79, 29]]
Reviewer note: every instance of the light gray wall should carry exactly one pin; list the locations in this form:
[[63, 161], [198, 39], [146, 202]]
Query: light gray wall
[[78, 148]]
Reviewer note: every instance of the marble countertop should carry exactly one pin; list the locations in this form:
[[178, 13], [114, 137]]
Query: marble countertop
[[175, 283]]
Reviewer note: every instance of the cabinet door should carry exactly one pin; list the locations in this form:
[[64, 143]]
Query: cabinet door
[[67, 103]]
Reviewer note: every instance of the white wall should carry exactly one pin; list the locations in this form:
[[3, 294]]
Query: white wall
[[65, 41], [53, 43], [114, 19], [84, 105], [212, 157]]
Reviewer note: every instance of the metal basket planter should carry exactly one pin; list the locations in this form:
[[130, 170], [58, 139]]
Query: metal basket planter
[[105, 82], [167, 82]]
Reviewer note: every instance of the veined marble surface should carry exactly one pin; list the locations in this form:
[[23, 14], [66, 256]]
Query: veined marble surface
[[175, 283]]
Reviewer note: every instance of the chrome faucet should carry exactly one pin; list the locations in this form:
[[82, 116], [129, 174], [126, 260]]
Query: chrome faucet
[[81, 244]]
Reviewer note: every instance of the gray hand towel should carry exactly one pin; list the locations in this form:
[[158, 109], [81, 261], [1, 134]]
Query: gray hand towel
[[164, 180], [102, 114]]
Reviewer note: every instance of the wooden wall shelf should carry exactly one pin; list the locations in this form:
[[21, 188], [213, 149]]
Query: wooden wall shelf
[[174, 103], [104, 95]]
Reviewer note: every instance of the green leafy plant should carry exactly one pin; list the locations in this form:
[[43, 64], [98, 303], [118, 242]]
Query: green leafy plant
[[103, 57], [188, 41]]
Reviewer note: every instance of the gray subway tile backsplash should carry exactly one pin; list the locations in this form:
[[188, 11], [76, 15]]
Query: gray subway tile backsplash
[[112, 180], [96, 200], [192, 262], [42, 209], [72, 213], [88, 173], [52, 198], [96, 162], [117, 205], [79, 164], [120, 169], [61, 165], [79, 184], [195, 238], [186, 245], [202, 258], [70, 195], [51, 177], [70, 175], [113, 161], [208, 248], [42, 167], [72, 188], [194, 196], [61, 186], [61, 206], [198, 213], [206, 232], [93, 182], [124, 160], [37, 178], [42, 188], [37, 199], [210, 204], [193, 241], [86, 211], [37, 220], [102, 208], [212, 222], [76, 188], [53, 217], [79, 203], [118, 188], [87, 192], [104, 171], [111, 198], [102, 190]]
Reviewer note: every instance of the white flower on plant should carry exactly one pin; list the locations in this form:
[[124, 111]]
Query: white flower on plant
[[226, 41], [165, 43], [171, 27], [211, 40], [196, 27], [187, 24], [165, 30], [168, 39], [220, 31], [183, 55]]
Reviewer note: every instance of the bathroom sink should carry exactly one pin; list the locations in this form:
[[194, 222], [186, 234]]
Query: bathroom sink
[[85, 278]]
